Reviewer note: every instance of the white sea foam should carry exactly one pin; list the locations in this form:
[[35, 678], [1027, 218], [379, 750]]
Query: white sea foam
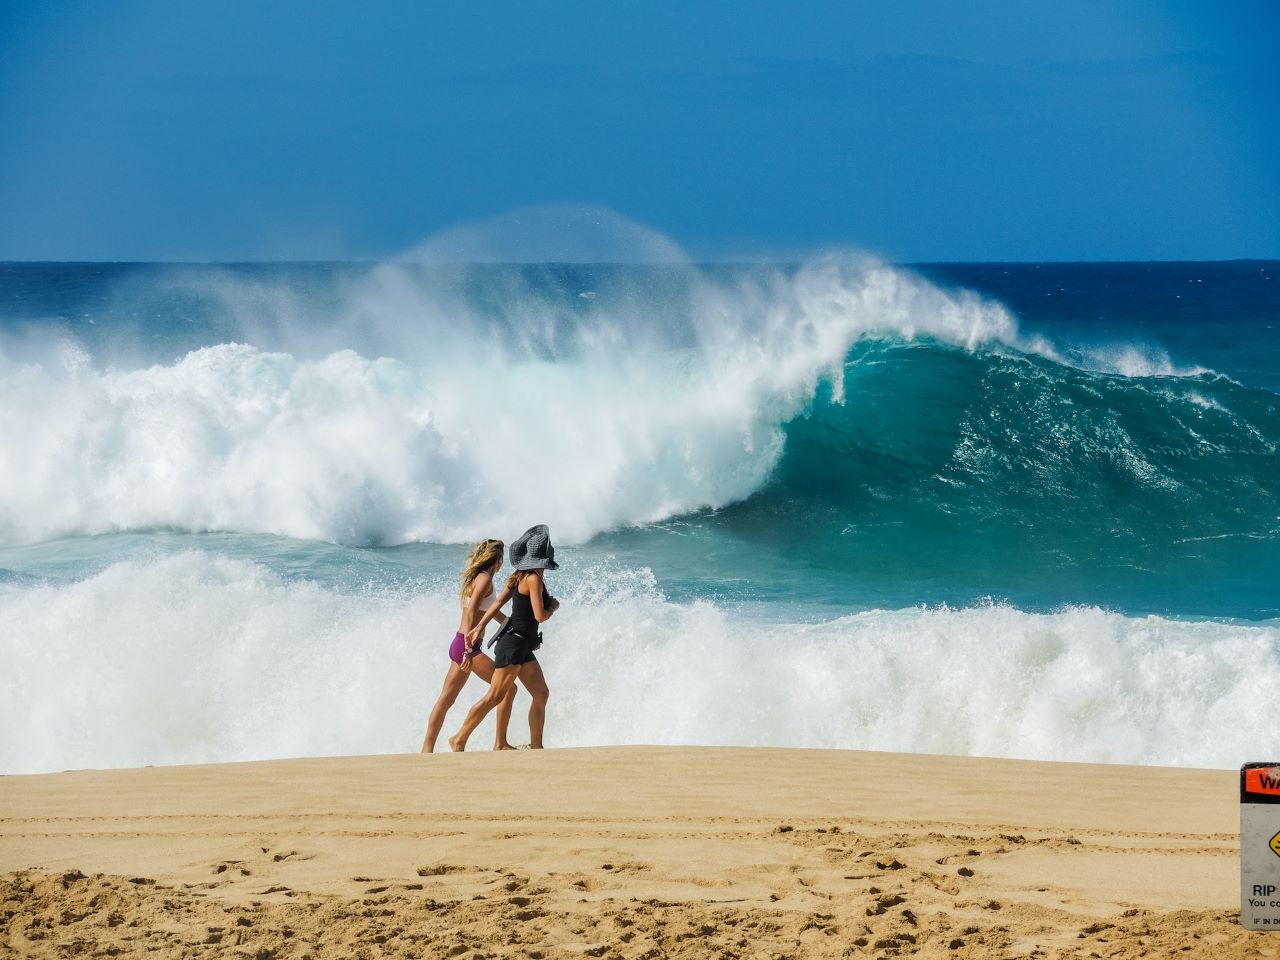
[[627, 413], [197, 657], [1134, 360]]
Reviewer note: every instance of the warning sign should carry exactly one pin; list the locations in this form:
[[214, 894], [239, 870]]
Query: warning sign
[[1260, 846], [1263, 780]]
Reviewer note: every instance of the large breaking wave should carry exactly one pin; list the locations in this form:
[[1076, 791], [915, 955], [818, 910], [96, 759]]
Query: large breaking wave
[[633, 402]]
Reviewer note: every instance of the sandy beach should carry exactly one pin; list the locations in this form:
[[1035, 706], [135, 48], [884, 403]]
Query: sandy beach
[[633, 852]]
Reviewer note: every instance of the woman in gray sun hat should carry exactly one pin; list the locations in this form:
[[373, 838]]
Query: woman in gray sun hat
[[532, 555]]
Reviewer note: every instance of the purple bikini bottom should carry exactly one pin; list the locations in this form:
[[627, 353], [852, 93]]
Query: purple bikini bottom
[[455, 649]]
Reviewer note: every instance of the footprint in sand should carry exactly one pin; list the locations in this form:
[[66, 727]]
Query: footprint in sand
[[884, 903], [630, 866], [440, 869]]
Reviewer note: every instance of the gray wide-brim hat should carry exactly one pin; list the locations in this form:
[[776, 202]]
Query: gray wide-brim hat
[[533, 551]]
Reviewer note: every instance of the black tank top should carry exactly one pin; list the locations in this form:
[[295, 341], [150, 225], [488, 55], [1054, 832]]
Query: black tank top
[[522, 619]]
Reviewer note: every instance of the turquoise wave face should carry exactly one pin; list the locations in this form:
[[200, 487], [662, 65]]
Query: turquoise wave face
[[950, 476]]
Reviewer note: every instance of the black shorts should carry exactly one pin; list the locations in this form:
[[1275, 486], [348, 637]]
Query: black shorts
[[515, 645], [512, 648]]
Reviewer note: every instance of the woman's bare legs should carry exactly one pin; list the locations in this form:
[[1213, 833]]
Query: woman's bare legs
[[454, 681], [500, 687], [533, 680], [483, 668]]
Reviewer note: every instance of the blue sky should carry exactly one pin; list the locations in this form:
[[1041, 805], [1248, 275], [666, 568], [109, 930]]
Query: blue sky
[[923, 131]]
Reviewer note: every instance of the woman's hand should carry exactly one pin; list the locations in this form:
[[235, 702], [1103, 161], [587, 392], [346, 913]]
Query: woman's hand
[[465, 665], [473, 639]]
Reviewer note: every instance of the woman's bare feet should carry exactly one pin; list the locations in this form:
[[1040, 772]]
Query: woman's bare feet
[[503, 746], [456, 745]]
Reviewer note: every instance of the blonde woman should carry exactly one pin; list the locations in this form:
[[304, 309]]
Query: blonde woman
[[477, 596]]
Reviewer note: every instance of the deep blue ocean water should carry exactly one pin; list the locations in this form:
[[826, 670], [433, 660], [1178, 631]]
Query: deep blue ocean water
[[1036, 506]]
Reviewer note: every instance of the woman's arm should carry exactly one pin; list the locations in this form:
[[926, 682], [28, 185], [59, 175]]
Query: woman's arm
[[541, 612], [480, 587], [489, 614]]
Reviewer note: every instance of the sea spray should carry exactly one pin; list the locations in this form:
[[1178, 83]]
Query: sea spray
[[197, 657]]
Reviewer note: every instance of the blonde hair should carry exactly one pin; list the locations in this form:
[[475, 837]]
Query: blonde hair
[[482, 557]]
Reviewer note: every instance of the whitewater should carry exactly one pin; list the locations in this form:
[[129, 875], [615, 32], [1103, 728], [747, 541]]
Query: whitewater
[[649, 416], [835, 504]]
